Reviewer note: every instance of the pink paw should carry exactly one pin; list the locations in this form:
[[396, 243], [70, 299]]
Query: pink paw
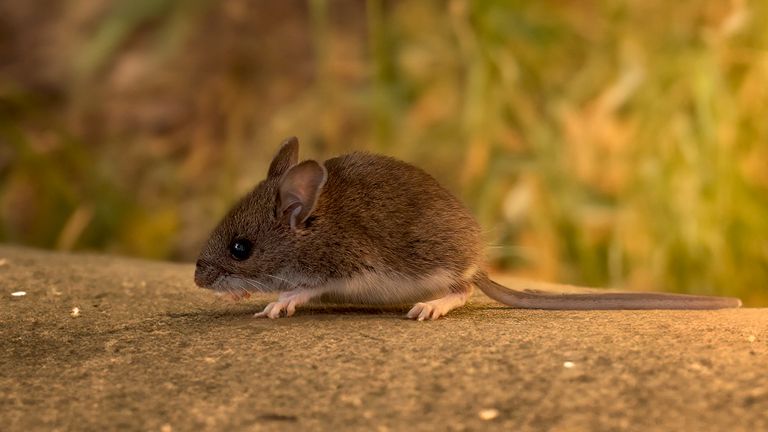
[[426, 311], [286, 303], [434, 309]]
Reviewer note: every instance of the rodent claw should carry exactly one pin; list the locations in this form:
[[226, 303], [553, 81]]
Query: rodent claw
[[287, 302]]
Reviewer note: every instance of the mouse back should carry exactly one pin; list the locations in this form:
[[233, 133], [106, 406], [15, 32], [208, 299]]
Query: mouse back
[[387, 213]]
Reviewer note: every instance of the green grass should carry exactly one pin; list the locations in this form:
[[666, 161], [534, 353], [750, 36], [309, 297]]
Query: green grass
[[604, 142]]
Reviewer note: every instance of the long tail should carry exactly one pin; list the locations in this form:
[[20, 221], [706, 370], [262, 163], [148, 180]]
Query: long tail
[[534, 299]]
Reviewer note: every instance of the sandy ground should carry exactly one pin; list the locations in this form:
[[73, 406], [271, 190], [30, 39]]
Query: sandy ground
[[150, 351]]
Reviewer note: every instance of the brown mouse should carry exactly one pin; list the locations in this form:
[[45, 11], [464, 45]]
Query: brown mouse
[[369, 229]]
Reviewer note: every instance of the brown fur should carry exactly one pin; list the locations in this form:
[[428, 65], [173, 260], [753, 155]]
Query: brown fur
[[375, 213], [361, 216]]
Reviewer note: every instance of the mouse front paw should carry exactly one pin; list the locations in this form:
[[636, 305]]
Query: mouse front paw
[[273, 310], [287, 303]]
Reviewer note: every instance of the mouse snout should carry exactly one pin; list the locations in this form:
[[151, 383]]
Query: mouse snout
[[205, 274]]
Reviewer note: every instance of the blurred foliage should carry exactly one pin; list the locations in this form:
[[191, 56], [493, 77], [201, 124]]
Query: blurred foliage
[[599, 142]]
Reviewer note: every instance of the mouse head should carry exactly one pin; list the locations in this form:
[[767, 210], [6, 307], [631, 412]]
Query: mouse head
[[257, 240]]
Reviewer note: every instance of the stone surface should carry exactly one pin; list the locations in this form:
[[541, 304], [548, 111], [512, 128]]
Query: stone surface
[[148, 350]]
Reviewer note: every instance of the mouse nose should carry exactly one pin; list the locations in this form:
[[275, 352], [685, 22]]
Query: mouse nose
[[204, 274]]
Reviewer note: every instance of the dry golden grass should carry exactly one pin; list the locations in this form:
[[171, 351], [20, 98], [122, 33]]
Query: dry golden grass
[[603, 142]]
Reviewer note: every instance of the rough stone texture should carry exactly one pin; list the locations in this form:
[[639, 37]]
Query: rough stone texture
[[150, 351]]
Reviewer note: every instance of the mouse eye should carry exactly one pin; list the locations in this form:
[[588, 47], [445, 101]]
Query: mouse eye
[[240, 249]]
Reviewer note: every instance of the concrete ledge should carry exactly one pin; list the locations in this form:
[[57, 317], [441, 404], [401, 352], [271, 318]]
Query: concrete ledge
[[149, 351]]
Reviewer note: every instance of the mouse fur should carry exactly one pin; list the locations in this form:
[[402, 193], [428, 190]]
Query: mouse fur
[[370, 229]]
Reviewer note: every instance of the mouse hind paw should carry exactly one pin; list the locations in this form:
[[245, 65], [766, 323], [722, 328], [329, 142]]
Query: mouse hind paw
[[434, 309]]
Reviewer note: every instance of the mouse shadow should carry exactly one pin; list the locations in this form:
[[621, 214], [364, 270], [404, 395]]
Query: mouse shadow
[[240, 311]]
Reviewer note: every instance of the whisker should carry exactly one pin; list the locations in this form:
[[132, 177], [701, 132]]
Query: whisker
[[253, 283], [291, 284]]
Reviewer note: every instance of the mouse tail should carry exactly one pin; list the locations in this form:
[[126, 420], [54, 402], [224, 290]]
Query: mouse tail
[[536, 299]]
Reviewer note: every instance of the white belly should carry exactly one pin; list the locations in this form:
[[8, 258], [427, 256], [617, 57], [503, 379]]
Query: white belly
[[377, 288]]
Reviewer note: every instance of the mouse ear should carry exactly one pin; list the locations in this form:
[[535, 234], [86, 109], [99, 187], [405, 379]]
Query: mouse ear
[[285, 158], [299, 189]]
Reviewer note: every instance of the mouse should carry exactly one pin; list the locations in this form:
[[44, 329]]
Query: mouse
[[369, 229]]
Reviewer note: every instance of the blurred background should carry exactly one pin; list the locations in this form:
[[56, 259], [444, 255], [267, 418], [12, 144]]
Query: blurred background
[[610, 143]]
